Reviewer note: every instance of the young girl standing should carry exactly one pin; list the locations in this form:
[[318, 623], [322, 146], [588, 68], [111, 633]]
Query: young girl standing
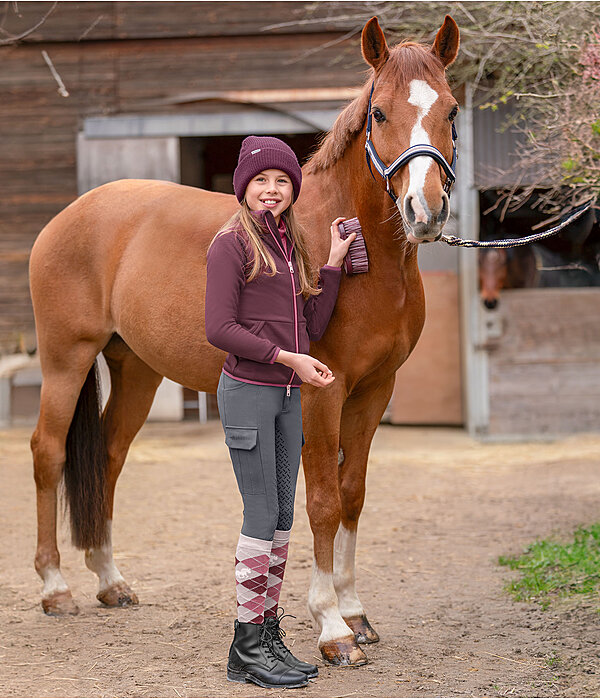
[[262, 309]]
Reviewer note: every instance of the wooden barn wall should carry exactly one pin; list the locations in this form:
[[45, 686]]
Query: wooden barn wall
[[85, 21], [112, 70], [545, 367]]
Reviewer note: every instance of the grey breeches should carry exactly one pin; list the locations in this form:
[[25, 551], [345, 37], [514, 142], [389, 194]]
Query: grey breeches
[[263, 430]]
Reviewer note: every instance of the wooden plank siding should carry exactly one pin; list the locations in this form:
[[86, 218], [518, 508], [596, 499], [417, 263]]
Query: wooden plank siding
[[139, 58], [545, 368], [89, 21]]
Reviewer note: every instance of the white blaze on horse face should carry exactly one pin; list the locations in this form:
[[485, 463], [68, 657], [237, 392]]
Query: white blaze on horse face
[[323, 606], [100, 561], [422, 96], [344, 574]]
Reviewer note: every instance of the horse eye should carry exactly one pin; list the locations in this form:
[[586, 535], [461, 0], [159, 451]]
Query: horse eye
[[378, 115], [453, 113]]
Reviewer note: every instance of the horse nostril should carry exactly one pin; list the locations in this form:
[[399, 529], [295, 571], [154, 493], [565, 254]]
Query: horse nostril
[[490, 303], [443, 215], [409, 212]]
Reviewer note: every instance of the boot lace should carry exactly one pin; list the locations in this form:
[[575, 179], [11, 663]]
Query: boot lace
[[266, 641], [278, 633]]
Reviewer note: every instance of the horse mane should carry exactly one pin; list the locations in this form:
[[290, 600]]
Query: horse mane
[[408, 61]]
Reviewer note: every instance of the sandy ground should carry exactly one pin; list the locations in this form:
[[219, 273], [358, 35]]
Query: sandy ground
[[440, 508]]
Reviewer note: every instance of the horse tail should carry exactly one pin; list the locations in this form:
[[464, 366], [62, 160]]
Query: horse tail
[[85, 486]]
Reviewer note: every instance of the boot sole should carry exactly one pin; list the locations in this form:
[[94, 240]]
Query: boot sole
[[244, 677]]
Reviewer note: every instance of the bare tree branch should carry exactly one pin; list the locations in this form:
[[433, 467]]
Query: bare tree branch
[[62, 90], [13, 39]]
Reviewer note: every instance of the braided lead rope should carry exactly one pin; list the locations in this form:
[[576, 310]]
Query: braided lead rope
[[514, 242]]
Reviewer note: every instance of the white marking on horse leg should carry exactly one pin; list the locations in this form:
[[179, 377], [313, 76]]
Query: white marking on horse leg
[[344, 572], [323, 606], [53, 582], [422, 96], [101, 562]]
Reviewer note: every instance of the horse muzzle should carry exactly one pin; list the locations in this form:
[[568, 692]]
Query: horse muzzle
[[421, 223]]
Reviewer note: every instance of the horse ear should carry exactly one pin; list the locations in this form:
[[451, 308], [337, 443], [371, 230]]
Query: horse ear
[[445, 46], [374, 46]]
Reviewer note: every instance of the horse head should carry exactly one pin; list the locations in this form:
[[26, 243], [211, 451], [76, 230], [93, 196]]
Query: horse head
[[412, 105], [493, 268]]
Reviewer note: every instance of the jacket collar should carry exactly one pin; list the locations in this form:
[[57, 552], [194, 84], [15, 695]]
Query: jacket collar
[[267, 220]]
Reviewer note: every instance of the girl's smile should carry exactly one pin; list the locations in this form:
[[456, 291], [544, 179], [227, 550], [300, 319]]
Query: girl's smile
[[272, 190]]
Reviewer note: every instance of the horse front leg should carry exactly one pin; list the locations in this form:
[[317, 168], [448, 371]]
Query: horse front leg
[[337, 642], [360, 417], [344, 580], [133, 386]]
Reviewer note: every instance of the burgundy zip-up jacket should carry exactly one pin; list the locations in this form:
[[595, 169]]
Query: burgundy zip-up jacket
[[254, 320]]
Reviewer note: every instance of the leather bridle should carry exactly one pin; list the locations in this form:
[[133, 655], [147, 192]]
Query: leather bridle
[[419, 149]]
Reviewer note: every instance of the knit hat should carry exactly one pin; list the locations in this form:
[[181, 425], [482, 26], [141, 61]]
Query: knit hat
[[260, 153]]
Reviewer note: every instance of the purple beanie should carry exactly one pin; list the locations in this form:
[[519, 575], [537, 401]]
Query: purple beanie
[[260, 153]]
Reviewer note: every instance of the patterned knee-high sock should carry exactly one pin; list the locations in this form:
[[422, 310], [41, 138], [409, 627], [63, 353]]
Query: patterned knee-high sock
[[277, 562], [251, 573]]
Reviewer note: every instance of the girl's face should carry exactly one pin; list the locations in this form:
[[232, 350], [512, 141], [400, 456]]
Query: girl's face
[[271, 189]]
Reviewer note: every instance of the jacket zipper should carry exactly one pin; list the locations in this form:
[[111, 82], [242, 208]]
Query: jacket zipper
[[291, 268]]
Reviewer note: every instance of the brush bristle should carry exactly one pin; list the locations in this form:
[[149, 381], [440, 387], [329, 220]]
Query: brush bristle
[[356, 260]]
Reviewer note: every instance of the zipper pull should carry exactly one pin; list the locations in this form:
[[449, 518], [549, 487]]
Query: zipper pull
[[291, 266], [288, 389]]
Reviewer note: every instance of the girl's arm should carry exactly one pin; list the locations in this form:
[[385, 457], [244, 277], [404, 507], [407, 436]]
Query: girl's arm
[[225, 280], [318, 308]]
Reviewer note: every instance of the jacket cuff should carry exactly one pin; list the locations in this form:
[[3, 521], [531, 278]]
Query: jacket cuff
[[275, 354], [331, 267]]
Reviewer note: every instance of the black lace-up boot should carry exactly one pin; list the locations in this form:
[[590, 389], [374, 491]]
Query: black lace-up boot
[[283, 652], [253, 659]]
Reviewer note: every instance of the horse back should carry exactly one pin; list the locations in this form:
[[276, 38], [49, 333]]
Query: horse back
[[118, 235]]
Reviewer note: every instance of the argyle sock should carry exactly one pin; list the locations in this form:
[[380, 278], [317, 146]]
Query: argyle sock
[[251, 573], [277, 561]]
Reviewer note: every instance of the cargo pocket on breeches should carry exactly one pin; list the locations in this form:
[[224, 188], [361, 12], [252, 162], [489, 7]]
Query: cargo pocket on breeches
[[245, 456]]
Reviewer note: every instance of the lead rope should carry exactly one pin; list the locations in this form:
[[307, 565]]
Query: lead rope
[[514, 242]]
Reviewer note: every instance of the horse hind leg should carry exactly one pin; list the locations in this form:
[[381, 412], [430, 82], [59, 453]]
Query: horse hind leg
[[65, 380], [133, 386]]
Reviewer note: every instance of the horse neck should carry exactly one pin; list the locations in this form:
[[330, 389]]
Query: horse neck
[[358, 194]]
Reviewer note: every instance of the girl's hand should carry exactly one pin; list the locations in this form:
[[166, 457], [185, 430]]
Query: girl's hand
[[339, 247], [312, 371]]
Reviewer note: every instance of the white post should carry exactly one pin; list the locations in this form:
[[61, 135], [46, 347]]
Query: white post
[[5, 412], [202, 407], [474, 356]]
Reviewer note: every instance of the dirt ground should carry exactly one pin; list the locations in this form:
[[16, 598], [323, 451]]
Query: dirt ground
[[440, 509]]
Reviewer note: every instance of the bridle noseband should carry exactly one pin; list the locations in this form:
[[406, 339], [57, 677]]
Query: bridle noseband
[[419, 149]]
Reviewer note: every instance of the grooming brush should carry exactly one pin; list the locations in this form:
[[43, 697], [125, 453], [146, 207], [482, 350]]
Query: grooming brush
[[356, 259]]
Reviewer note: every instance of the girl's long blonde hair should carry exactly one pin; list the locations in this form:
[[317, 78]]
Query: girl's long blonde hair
[[261, 259]]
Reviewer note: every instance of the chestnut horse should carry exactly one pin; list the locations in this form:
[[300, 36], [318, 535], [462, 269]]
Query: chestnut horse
[[122, 269]]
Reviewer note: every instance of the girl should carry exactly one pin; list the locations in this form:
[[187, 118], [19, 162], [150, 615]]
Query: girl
[[262, 309]]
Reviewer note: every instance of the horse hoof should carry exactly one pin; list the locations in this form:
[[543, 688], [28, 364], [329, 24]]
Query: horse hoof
[[363, 632], [118, 596], [343, 652], [60, 604]]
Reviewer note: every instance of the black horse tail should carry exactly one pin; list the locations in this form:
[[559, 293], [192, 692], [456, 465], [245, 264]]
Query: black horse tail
[[85, 486]]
